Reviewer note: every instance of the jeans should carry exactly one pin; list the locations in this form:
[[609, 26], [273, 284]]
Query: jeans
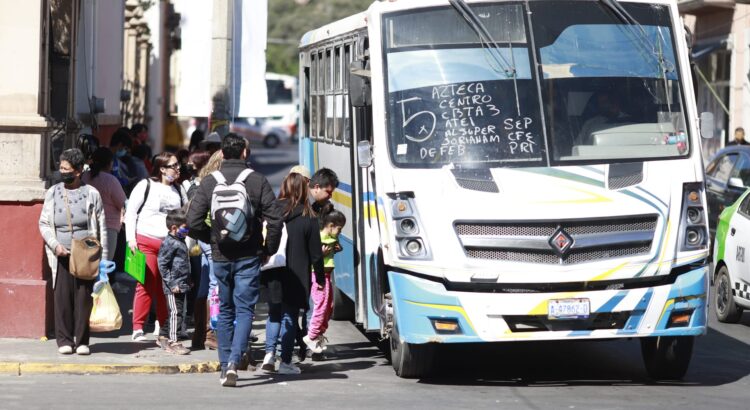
[[238, 291], [281, 321]]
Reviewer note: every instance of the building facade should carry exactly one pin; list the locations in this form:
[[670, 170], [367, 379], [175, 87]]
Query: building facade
[[721, 72]]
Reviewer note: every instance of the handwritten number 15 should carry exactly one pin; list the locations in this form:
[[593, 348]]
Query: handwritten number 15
[[422, 128]]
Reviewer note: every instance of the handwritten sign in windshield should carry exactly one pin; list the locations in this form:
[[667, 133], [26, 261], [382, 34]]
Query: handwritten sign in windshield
[[472, 122]]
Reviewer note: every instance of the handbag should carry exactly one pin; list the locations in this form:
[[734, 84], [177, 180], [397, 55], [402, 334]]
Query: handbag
[[85, 253]]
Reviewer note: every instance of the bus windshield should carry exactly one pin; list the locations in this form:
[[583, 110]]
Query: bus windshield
[[606, 90]]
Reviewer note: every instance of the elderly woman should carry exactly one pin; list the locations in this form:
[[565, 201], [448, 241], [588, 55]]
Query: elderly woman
[[72, 210]]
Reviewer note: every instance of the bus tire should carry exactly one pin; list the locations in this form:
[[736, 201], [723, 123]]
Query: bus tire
[[343, 307], [411, 361], [667, 357], [727, 310]]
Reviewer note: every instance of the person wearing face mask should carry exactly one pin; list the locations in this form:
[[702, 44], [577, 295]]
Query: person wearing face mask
[[145, 229], [72, 210], [123, 167]]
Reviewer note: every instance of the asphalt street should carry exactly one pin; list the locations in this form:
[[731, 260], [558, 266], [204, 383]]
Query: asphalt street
[[356, 373]]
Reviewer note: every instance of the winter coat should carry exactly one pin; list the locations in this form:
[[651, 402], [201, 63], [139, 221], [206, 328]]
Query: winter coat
[[291, 285], [264, 206], [174, 265], [97, 224]]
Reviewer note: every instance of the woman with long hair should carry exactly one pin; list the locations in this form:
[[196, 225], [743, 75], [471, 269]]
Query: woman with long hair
[[146, 228], [289, 287], [208, 338]]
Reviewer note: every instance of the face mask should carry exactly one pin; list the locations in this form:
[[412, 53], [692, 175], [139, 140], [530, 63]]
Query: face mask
[[169, 178], [182, 232], [190, 168], [68, 177], [121, 153]]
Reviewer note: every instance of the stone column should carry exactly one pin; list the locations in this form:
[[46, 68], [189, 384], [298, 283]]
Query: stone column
[[24, 165]]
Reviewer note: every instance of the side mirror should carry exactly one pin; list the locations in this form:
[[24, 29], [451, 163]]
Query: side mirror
[[360, 94], [707, 125], [735, 182], [364, 154]]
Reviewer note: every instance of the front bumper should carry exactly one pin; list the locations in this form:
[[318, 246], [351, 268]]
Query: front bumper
[[492, 317]]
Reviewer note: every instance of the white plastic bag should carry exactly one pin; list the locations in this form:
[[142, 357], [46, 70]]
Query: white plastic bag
[[105, 315], [278, 259]]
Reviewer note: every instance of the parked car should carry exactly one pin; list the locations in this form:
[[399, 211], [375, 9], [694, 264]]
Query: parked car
[[727, 178], [258, 130], [731, 269]]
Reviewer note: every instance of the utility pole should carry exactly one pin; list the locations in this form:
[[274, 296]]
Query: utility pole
[[221, 65]]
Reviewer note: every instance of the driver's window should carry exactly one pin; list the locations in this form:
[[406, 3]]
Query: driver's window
[[724, 167], [743, 208], [742, 170]]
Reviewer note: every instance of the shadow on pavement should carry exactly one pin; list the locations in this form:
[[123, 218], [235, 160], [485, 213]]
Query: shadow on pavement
[[717, 359]]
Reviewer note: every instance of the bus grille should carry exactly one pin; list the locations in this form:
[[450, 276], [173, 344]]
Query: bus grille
[[591, 240]]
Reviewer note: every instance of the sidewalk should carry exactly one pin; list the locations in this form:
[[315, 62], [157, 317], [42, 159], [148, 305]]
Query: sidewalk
[[111, 353]]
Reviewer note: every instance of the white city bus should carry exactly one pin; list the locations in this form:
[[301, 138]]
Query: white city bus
[[512, 171]]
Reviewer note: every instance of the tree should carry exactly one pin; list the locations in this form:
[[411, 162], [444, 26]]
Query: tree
[[288, 21]]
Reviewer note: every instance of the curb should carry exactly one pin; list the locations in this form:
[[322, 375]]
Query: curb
[[19, 369]]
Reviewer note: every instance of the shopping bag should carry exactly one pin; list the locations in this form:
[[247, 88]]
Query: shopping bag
[[135, 264], [277, 260], [105, 315]]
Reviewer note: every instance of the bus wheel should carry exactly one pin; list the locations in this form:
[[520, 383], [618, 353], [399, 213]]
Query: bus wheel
[[411, 361], [726, 310], [343, 307], [667, 357]]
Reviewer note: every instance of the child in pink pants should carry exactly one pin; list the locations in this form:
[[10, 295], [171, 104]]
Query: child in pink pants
[[321, 290]]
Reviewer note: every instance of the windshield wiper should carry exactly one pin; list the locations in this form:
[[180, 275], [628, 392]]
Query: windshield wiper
[[647, 46], [643, 40], [489, 44]]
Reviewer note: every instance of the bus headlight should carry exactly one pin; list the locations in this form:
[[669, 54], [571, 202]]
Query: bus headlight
[[410, 237], [408, 226], [693, 234], [413, 247]]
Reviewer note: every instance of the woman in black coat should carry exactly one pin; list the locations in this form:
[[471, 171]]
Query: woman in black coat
[[289, 287]]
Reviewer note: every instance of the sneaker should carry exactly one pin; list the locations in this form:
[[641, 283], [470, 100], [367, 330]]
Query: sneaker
[[176, 348], [313, 344], [228, 376], [138, 336], [65, 349], [156, 328], [269, 362], [162, 342], [323, 342], [83, 350], [289, 368]]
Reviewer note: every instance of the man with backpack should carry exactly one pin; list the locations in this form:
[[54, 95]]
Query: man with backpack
[[237, 201]]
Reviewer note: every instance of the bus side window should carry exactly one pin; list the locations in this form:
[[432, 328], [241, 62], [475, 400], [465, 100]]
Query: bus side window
[[338, 111], [321, 97], [313, 97], [330, 107], [347, 134], [305, 109]]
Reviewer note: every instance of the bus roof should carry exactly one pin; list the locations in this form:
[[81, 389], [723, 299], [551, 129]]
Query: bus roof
[[334, 29], [359, 20]]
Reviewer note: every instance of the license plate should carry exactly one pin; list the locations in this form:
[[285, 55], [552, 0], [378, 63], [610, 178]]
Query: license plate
[[568, 308]]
